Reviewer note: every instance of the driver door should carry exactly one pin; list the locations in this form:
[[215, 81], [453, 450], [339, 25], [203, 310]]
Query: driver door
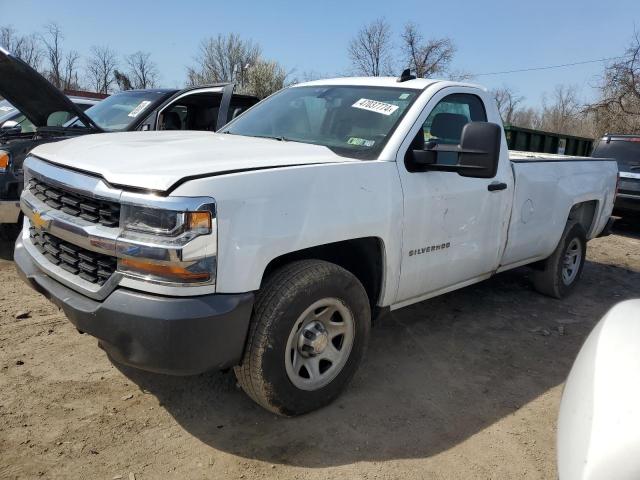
[[455, 227]]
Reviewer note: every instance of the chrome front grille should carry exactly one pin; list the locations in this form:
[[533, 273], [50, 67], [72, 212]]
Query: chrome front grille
[[92, 210], [90, 266], [73, 233]]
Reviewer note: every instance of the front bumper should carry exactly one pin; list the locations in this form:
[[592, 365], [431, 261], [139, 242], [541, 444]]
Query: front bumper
[[174, 335]]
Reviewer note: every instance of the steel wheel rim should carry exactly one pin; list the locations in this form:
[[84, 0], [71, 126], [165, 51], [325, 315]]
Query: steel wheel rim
[[319, 344], [571, 261]]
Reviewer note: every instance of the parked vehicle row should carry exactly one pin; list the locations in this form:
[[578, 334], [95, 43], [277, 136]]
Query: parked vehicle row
[[37, 113], [270, 245]]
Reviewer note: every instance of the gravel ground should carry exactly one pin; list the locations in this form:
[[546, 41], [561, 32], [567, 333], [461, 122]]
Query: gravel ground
[[466, 385]]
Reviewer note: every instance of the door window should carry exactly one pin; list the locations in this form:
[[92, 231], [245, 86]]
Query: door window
[[447, 119]]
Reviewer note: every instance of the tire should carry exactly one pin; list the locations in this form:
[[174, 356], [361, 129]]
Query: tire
[[286, 331], [553, 279]]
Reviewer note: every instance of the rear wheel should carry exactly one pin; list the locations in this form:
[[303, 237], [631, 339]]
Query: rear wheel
[[561, 271], [309, 332]]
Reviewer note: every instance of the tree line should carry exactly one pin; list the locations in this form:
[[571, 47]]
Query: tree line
[[373, 51], [615, 110], [102, 70], [222, 58]]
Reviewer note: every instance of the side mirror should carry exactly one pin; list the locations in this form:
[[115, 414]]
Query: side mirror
[[9, 124], [425, 156], [480, 147], [478, 152]]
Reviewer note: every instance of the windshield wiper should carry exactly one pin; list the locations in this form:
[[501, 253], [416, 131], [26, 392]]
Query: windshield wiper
[[280, 138]]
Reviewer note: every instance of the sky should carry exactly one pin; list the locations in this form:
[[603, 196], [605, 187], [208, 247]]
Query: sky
[[312, 37]]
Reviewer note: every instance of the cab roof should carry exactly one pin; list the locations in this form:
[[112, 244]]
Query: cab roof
[[415, 84]]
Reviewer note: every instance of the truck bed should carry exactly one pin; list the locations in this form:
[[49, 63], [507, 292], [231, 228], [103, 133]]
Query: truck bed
[[518, 156], [546, 187]]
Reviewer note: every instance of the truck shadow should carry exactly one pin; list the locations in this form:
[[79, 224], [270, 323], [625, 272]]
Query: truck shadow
[[436, 373]]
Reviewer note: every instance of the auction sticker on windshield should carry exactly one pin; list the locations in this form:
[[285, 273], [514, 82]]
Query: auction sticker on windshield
[[141, 106], [361, 142], [375, 106], [5, 109]]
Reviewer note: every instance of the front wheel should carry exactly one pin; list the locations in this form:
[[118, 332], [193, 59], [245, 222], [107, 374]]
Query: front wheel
[[309, 332], [560, 272]]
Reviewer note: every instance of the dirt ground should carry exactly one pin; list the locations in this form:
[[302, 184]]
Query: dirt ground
[[466, 385]]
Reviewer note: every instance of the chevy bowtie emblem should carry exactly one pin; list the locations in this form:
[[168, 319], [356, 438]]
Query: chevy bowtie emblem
[[39, 222]]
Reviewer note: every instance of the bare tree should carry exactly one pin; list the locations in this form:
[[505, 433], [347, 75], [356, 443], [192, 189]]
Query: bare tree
[[507, 101], [265, 78], [426, 58], [370, 50], [223, 59], [618, 109], [101, 67], [70, 66], [527, 118], [142, 71], [52, 40], [25, 47], [561, 113], [62, 69]]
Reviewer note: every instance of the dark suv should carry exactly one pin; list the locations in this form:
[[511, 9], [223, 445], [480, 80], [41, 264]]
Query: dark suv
[[626, 150], [206, 107]]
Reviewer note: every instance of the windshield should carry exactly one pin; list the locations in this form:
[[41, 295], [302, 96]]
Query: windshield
[[626, 151], [6, 111], [118, 111], [352, 121]]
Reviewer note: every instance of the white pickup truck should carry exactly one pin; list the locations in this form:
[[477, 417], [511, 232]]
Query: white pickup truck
[[269, 246]]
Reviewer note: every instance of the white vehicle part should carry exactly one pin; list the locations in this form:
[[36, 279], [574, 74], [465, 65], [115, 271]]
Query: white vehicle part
[[453, 211], [182, 252], [544, 194], [599, 421], [268, 213], [172, 156]]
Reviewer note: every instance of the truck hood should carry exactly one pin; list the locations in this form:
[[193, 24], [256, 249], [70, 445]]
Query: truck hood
[[32, 94], [158, 160]]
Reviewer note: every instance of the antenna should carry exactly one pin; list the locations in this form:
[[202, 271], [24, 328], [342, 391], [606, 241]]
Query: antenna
[[406, 75]]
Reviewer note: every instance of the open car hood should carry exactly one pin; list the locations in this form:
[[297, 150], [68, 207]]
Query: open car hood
[[33, 94]]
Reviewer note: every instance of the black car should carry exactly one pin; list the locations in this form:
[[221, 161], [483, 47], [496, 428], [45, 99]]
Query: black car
[[626, 150], [206, 107]]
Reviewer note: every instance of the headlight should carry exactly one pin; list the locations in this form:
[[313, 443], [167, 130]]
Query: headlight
[[165, 223], [168, 246], [5, 158]]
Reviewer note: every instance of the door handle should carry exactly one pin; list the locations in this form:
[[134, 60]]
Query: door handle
[[495, 186]]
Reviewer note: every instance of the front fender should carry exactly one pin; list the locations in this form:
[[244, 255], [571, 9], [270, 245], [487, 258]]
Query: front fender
[[265, 214]]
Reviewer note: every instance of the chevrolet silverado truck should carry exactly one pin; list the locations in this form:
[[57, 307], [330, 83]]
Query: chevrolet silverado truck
[[270, 245], [48, 116]]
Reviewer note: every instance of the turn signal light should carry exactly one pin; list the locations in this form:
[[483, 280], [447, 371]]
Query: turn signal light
[[199, 220], [4, 160], [166, 272]]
